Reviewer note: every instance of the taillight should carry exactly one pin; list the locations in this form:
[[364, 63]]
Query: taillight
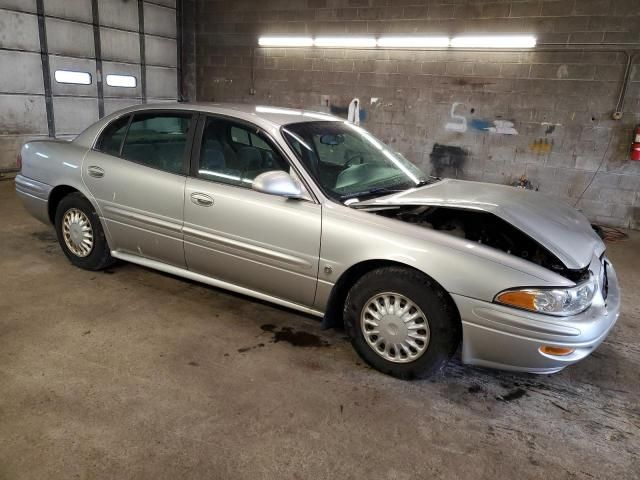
[[19, 161]]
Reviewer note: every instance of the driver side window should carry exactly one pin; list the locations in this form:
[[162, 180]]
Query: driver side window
[[236, 154]]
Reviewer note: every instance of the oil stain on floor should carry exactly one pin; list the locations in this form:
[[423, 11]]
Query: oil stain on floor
[[48, 241], [45, 236], [288, 335], [293, 337]]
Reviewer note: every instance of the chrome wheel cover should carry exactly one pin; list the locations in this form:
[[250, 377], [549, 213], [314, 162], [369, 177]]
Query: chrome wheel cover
[[77, 232], [395, 327]]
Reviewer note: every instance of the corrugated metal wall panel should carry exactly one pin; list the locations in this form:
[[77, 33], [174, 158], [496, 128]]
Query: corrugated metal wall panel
[[119, 14], [72, 40], [19, 31], [21, 72], [22, 5], [159, 20], [23, 115], [74, 114], [66, 37], [162, 82], [120, 45], [160, 51], [72, 9]]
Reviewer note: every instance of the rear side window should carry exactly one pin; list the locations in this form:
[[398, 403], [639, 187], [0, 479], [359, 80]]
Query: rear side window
[[112, 136], [158, 140]]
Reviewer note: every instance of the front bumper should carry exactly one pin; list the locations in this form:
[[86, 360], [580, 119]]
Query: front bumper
[[501, 337]]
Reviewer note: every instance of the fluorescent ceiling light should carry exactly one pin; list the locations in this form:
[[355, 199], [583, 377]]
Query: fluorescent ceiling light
[[345, 42], [279, 111], [494, 41], [413, 42], [127, 81], [407, 41], [69, 76], [285, 41]]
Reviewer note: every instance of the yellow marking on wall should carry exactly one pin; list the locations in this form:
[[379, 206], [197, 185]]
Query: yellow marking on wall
[[541, 146]]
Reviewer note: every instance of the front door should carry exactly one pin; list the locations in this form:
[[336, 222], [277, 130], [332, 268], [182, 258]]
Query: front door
[[262, 242], [137, 174]]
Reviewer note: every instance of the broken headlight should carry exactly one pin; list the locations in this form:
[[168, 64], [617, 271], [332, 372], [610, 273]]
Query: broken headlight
[[552, 301]]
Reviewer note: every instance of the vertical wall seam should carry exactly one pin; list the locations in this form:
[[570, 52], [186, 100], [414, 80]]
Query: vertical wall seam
[[46, 72], [194, 50], [179, 43], [143, 60], [98, 56]]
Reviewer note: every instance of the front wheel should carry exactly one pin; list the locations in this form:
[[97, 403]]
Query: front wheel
[[80, 233], [401, 322]]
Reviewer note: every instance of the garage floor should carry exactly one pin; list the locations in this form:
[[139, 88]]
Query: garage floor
[[131, 373]]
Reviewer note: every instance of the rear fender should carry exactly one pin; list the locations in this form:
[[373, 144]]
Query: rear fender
[[56, 165]]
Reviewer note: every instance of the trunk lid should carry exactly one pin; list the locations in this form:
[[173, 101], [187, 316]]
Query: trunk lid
[[561, 229]]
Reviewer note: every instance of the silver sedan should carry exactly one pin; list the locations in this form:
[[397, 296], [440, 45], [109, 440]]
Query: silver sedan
[[314, 213]]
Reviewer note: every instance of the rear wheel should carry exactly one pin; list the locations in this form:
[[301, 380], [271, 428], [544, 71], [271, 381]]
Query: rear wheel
[[401, 322], [80, 233]]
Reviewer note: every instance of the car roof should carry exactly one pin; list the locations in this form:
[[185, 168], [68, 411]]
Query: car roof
[[264, 116], [276, 115]]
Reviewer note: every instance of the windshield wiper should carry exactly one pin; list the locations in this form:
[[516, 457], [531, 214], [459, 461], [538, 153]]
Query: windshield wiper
[[427, 181], [385, 190], [373, 191]]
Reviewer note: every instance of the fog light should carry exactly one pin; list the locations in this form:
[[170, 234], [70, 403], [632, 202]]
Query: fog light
[[557, 351]]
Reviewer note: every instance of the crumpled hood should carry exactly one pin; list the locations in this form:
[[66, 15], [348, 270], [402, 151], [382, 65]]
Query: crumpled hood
[[561, 229]]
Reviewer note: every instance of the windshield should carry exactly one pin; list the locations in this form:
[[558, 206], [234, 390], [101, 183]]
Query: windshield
[[348, 162]]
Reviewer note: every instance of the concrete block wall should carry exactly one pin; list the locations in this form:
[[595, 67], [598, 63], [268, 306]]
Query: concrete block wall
[[71, 45], [490, 116]]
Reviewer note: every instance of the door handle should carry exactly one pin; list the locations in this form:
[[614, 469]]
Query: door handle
[[201, 199], [96, 172]]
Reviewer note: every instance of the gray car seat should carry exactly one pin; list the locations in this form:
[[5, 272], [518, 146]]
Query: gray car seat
[[212, 156]]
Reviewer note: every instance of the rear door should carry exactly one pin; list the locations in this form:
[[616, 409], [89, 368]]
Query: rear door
[[266, 243], [137, 174]]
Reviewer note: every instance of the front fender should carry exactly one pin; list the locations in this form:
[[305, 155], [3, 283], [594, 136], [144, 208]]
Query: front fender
[[462, 267]]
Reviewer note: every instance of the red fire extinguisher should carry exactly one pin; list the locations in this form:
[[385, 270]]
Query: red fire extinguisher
[[635, 146]]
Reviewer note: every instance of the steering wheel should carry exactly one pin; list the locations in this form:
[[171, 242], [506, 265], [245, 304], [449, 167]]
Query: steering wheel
[[351, 160]]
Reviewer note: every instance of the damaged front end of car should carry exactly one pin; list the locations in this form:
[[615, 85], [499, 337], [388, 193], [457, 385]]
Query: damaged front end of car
[[565, 303], [522, 223], [484, 228]]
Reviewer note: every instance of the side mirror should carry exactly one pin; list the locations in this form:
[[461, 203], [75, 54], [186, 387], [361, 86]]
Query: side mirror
[[278, 182]]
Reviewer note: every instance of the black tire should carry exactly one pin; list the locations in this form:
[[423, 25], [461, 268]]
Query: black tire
[[440, 311], [99, 256]]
